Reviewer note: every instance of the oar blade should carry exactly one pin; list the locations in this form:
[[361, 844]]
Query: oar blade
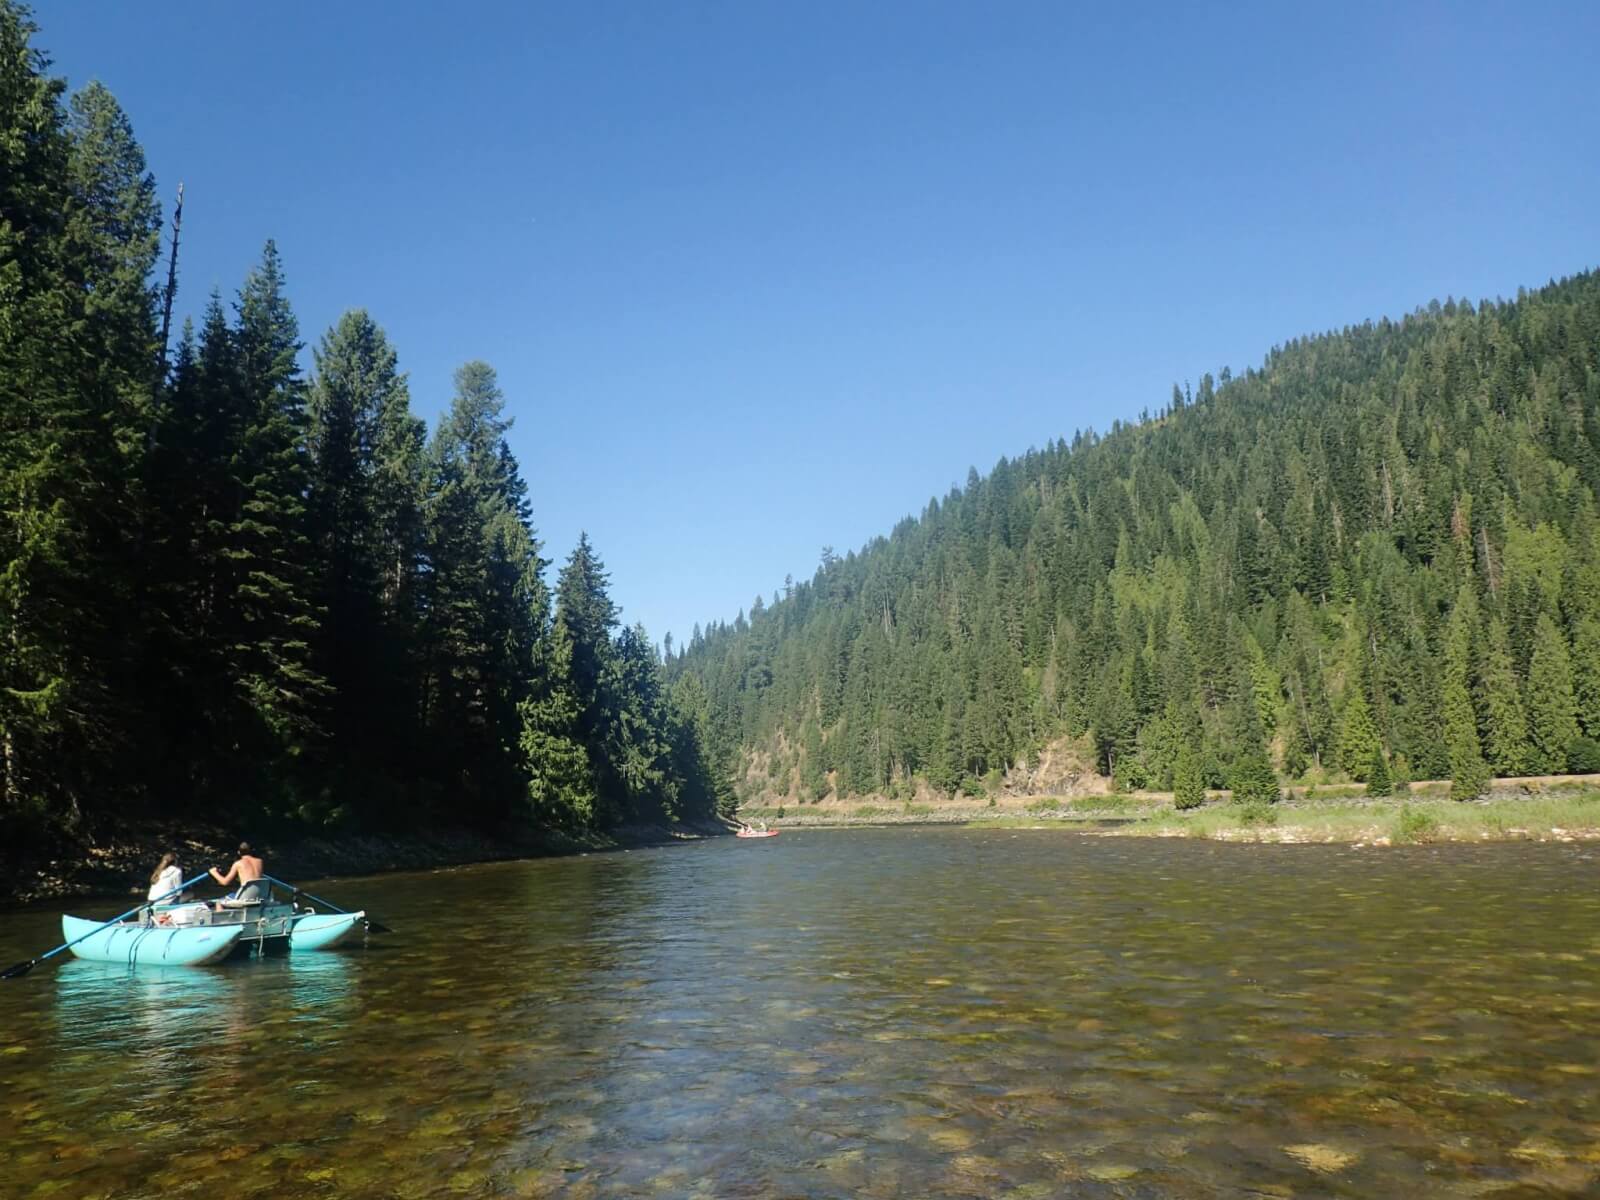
[[18, 970]]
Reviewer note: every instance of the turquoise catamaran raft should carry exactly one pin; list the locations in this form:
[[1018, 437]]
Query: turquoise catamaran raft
[[135, 942], [169, 932], [264, 928]]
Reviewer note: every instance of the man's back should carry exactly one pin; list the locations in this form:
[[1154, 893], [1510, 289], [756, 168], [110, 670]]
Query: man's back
[[247, 868]]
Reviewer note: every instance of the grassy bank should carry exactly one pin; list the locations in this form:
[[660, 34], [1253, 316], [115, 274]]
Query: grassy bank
[[1557, 815], [1550, 810], [963, 810]]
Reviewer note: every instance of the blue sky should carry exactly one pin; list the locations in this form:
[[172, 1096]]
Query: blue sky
[[763, 277]]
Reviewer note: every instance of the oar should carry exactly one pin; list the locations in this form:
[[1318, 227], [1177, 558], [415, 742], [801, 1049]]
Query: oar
[[17, 970], [372, 926]]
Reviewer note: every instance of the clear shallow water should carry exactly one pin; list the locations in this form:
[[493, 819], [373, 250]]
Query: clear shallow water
[[899, 1012]]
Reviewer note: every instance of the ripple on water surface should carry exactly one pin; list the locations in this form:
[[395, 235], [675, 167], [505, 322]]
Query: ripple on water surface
[[869, 1012]]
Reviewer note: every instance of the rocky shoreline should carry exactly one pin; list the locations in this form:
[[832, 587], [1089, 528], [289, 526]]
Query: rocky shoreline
[[118, 864]]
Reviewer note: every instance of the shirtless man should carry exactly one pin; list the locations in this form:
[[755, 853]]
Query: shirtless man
[[246, 868]]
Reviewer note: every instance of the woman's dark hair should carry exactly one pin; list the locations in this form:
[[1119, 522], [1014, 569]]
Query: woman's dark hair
[[167, 860]]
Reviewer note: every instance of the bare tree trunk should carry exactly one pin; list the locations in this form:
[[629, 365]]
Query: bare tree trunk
[[172, 289]]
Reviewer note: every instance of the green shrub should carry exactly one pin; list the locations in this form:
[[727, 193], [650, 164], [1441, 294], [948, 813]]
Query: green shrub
[[1414, 825], [1130, 775], [1257, 812], [1400, 774], [1046, 804]]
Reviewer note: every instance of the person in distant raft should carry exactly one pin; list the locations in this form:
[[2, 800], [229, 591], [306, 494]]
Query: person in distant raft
[[247, 868]]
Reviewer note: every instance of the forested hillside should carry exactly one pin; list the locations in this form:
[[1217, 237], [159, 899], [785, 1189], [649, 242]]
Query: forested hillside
[[1376, 555], [232, 588]]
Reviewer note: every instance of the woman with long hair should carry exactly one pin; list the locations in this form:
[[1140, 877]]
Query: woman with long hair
[[165, 878]]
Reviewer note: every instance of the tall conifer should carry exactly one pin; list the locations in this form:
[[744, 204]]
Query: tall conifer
[[1552, 707]]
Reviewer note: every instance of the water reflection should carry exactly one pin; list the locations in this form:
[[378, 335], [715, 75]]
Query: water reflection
[[868, 1013]]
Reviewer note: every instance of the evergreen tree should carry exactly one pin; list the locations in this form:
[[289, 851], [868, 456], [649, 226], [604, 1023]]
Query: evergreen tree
[[40, 419], [1586, 679], [1552, 707], [1358, 737], [484, 603], [583, 601], [365, 468], [703, 782], [272, 618], [584, 606], [1378, 782], [1468, 771], [1252, 779], [1189, 790], [1501, 719], [637, 745], [77, 339], [813, 776], [560, 777], [1251, 776]]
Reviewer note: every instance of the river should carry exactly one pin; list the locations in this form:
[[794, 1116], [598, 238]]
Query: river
[[880, 1013]]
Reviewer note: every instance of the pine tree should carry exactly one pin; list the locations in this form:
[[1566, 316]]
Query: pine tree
[[636, 739], [1378, 782], [484, 602], [1468, 771], [813, 777], [77, 338], [1586, 681], [1552, 707], [1251, 776], [38, 599], [1189, 790], [704, 786], [584, 606], [560, 776], [1501, 719], [1252, 779], [196, 499], [365, 464], [272, 616], [1358, 737], [583, 600]]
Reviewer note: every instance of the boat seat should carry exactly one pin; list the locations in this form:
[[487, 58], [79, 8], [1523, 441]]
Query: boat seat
[[257, 891]]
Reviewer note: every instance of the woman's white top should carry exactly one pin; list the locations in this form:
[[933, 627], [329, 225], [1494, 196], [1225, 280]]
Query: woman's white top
[[167, 881]]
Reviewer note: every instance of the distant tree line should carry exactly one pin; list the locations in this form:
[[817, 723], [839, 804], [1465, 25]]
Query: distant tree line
[[230, 588], [1377, 557]]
